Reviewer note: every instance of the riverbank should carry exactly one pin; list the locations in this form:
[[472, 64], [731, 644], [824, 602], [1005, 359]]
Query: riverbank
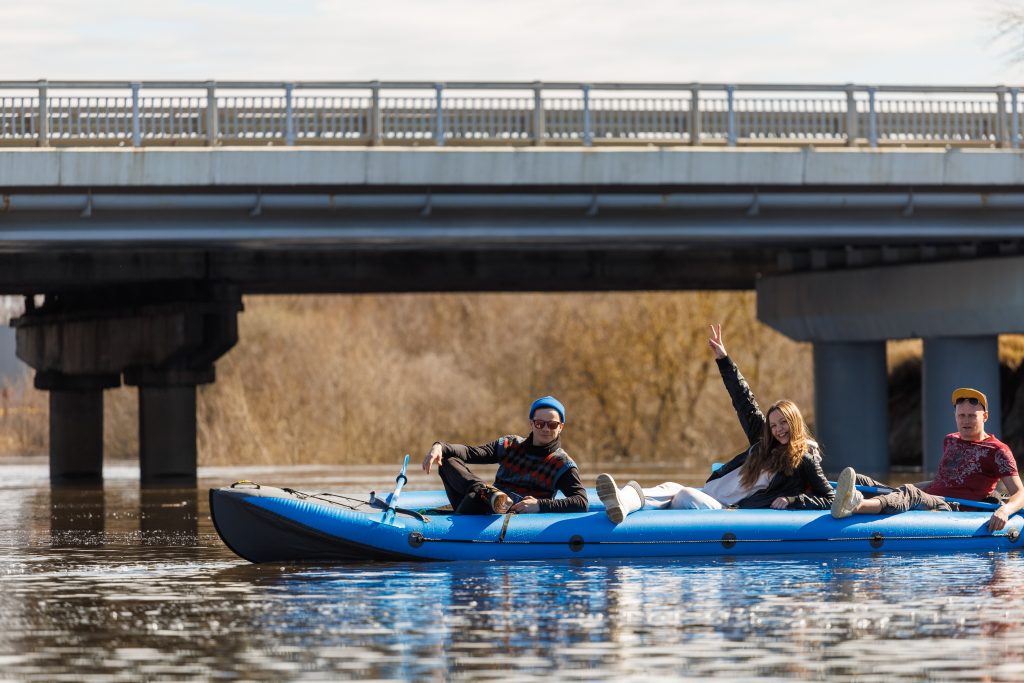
[[365, 379]]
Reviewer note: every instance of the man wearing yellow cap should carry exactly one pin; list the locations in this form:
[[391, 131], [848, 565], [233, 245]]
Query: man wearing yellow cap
[[973, 462]]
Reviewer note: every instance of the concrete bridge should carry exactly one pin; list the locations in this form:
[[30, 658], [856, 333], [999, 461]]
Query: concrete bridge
[[142, 255]]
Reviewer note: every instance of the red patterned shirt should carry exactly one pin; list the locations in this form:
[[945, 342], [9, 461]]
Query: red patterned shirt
[[971, 469]]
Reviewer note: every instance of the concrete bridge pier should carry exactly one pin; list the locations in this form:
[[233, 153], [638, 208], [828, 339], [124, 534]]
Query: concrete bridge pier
[[163, 339], [76, 424], [167, 423], [951, 362], [851, 406], [959, 309]]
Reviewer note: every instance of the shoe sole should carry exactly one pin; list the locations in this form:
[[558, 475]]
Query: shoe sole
[[845, 488], [608, 492], [500, 503]]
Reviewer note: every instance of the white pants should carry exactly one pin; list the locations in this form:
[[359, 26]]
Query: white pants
[[678, 497]]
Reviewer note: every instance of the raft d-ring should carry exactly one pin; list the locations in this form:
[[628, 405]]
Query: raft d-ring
[[415, 539], [877, 539], [728, 540], [576, 543], [245, 484], [1013, 535]]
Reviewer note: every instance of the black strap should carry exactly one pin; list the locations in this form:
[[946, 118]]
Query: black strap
[[381, 505], [374, 502]]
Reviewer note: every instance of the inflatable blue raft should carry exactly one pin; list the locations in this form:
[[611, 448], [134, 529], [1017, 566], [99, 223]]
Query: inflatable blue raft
[[263, 524]]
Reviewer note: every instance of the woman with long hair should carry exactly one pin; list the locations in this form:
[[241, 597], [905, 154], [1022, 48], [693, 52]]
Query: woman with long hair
[[781, 469]]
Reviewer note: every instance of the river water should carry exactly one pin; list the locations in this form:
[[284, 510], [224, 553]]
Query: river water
[[122, 584]]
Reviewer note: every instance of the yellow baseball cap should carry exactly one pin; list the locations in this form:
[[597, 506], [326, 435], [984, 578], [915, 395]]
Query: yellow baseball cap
[[968, 393]]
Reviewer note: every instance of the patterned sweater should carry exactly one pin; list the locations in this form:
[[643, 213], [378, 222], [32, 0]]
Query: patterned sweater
[[528, 470]]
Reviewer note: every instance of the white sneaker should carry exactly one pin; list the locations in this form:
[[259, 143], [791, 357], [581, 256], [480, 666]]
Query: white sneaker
[[608, 492], [847, 496]]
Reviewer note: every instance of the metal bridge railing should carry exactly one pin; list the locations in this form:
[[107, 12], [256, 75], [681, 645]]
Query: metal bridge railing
[[77, 113]]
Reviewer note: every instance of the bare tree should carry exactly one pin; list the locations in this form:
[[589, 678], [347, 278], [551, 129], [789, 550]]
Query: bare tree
[[1008, 19]]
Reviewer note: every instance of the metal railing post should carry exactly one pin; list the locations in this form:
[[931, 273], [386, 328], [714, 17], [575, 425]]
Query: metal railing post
[[695, 122], [729, 95], [872, 118], [1014, 120], [852, 126], [289, 115], [439, 123], [136, 124], [588, 136], [538, 114], [1002, 138], [212, 132], [44, 115], [376, 119]]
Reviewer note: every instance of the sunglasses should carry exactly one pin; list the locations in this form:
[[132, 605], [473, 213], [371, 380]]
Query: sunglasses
[[550, 424], [973, 401]]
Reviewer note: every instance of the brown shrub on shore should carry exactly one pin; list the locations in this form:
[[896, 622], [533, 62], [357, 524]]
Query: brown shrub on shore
[[24, 413], [368, 378]]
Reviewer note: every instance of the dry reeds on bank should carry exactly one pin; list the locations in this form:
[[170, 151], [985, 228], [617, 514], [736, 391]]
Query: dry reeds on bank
[[368, 378]]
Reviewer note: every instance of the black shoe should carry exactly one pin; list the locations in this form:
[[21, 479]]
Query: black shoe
[[496, 499], [482, 499]]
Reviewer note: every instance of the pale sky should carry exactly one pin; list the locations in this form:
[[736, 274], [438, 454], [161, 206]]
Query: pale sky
[[946, 42]]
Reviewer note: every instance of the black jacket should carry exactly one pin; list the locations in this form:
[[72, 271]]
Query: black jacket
[[569, 484], [807, 488]]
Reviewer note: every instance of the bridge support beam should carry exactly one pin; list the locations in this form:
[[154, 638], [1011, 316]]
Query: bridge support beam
[[167, 424], [851, 406], [167, 434], [937, 302], [951, 362], [76, 424], [163, 340]]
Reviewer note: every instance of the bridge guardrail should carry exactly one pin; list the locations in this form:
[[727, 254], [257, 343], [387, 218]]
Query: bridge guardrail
[[79, 113]]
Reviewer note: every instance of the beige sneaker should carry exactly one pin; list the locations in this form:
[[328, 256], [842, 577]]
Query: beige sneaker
[[847, 496], [608, 492]]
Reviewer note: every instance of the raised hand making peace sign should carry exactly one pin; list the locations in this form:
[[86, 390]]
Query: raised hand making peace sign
[[715, 341]]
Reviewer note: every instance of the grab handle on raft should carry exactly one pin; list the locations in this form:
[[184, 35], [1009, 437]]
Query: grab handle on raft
[[976, 504], [392, 500]]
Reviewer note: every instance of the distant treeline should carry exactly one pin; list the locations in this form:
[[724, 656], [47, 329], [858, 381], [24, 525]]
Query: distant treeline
[[344, 379]]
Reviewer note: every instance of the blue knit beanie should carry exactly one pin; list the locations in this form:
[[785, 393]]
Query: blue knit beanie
[[548, 402]]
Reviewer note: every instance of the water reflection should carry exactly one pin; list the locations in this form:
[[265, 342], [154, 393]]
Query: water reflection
[[802, 618], [169, 516], [77, 515], [124, 584]]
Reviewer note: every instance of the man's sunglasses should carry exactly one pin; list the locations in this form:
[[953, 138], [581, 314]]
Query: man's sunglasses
[[973, 401], [551, 424]]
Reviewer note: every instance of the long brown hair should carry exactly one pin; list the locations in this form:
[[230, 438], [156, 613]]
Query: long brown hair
[[768, 455]]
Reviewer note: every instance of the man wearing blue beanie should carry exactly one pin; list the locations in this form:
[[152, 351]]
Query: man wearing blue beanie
[[530, 470]]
